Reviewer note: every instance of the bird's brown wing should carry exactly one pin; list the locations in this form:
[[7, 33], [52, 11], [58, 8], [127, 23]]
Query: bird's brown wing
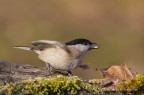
[[43, 44]]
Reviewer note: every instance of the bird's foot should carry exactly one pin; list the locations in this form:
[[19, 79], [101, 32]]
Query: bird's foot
[[68, 73]]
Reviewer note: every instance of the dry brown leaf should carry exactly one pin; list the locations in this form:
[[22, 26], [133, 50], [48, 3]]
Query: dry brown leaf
[[119, 72]]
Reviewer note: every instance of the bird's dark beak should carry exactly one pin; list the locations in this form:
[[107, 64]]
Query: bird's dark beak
[[94, 46]]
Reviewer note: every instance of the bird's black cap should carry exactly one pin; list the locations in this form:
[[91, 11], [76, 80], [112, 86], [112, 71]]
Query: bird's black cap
[[79, 41]]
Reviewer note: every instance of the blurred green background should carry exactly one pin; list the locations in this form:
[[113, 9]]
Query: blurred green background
[[116, 25]]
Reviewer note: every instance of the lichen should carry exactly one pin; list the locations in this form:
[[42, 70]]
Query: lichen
[[57, 85], [132, 84]]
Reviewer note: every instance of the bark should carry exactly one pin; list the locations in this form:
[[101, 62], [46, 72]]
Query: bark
[[10, 72]]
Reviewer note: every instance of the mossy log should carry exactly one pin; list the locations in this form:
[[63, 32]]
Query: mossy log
[[28, 80]]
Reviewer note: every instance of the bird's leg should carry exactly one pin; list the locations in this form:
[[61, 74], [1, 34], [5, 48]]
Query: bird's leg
[[53, 70], [49, 68]]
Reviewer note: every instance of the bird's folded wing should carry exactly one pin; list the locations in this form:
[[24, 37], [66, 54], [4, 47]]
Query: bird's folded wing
[[42, 44], [36, 43]]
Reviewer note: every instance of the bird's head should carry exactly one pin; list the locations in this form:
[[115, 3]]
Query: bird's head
[[83, 44]]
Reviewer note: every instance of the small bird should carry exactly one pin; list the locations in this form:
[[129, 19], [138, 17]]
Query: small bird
[[61, 56]]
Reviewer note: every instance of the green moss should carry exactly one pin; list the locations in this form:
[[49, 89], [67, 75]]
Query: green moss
[[53, 85], [132, 84]]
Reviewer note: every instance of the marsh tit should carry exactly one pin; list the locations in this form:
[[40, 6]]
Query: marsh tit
[[61, 56]]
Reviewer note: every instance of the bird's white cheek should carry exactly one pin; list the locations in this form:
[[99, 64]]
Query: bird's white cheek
[[82, 48]]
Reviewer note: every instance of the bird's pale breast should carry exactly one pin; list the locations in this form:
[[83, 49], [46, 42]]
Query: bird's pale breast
[[59, 58]]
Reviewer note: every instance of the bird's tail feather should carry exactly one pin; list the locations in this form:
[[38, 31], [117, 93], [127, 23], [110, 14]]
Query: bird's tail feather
[[23, 47]]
